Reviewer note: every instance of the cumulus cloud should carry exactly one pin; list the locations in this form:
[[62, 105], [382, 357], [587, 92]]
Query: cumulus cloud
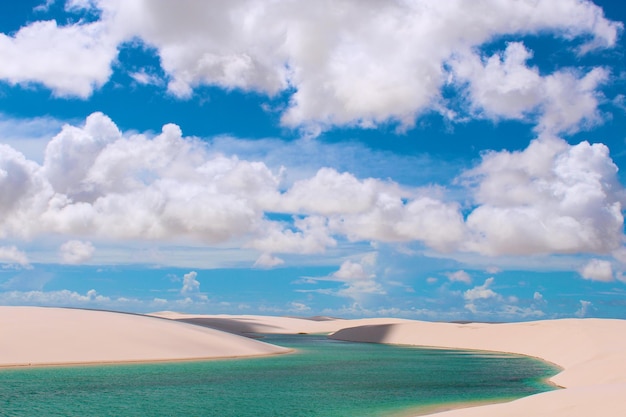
[[585, 307], [358, 277], [266, 260], [98, 183], [597, 270], [372, 209], [390, 218], [25, 191], [71, 60], [191, 289], [503, 86], [459, 276], [190, 284], [13, 256], [479, 293], [350, 270], [76, 251], [308, 235], [372, 63], [551, 197], [330, 192]]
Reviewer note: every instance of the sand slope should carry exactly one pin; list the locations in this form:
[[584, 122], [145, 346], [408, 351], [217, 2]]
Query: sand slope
[[38, 336], [591, 351], [246, 324]]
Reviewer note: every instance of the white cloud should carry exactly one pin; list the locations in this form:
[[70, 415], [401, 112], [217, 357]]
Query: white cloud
[[311, 235], [519, 312], [479, 293], [503, 86], [71, 60], [359, 279], [25, 192], [493, 270], [571, 100], [99, 184], [372, 63], [92, 299], [597, 270], [350, 271], [190, 284], [583, 311], [44, 7], [95, 182], [266, 260], [390, 218], [54, 298], [372, 209], [12, 255], [298, 307], [330, 192], [551, 197], [144, 78], [459, 276], [76, 251]]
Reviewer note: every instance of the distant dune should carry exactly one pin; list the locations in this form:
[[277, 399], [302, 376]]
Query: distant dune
[[53, 336], [247, 324]]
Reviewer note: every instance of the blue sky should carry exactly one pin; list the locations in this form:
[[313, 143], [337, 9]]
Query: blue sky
[[453, 161]]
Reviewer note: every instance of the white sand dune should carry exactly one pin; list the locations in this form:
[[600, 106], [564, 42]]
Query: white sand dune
[[52, 336], [592, 353], [246, 324]]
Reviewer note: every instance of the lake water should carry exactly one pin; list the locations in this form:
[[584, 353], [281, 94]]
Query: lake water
[[325, 378]]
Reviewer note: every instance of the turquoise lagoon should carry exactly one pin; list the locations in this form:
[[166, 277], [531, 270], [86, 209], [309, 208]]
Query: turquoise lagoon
[[325, 378]]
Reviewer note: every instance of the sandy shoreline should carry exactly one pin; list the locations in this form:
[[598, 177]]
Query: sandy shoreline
[[591, 352]]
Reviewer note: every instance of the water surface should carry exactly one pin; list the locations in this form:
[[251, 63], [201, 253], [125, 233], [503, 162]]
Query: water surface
[[325, 378]]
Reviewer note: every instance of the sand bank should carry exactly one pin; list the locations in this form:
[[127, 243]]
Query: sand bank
[[55, 336], [592, 353]]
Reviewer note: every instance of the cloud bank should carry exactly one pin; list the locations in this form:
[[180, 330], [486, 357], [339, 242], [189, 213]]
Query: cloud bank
[[98, 183], [385, 62]]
